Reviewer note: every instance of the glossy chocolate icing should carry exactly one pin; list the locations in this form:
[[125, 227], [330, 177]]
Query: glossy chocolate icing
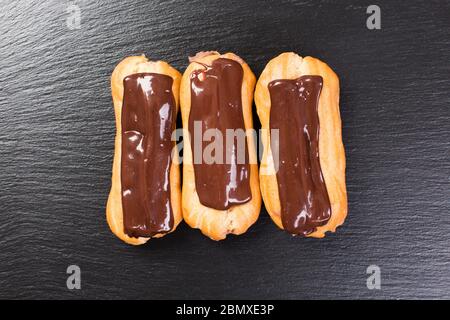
[[148, 119], [216, 102], [305, 204]]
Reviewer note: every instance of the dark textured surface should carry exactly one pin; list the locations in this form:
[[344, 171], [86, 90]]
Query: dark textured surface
[[56, 147]]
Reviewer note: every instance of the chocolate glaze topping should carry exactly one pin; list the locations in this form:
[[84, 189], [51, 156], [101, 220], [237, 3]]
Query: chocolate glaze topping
[[148, 119], [305, 204], [216, 103]]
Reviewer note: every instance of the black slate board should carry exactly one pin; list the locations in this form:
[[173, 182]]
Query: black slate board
[[56, 147]]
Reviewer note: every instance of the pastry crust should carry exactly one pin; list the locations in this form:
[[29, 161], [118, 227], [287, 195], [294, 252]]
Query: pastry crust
[[216, 224], [114, 213], [331, 150]]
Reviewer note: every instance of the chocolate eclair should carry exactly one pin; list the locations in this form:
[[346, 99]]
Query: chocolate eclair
[[220, 173], [145, 197], [302, 173]]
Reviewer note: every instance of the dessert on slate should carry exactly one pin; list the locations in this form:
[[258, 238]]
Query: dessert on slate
[[145, 197], [302, 173], [219, 198]]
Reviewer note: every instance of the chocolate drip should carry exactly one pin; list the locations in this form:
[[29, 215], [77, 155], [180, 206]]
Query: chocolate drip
[[305, 204], [216, 103], [148, 119]]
